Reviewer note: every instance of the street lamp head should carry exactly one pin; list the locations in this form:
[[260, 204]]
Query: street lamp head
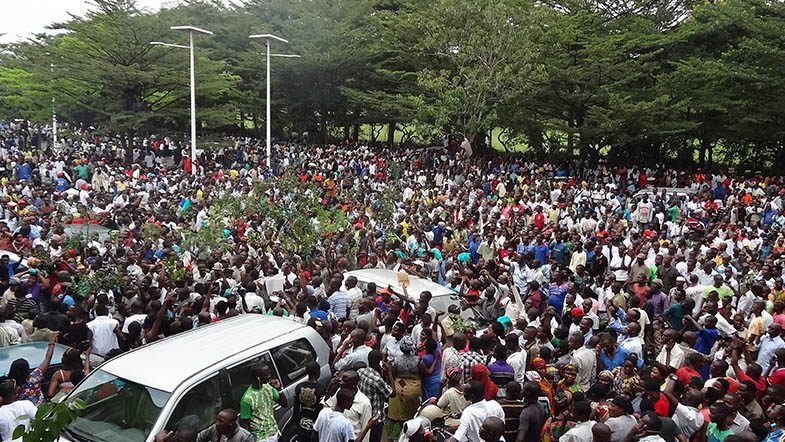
[[191, 29], [169, 45], [269, 37]]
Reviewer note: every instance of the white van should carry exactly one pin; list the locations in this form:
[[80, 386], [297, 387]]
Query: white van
[[442, 298], [188, 378]]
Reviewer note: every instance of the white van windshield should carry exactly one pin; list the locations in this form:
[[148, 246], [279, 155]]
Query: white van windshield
[[117, 410]]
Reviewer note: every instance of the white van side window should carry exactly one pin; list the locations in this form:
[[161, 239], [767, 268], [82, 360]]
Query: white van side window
[[291, 359], [240, 377], [198, 408]]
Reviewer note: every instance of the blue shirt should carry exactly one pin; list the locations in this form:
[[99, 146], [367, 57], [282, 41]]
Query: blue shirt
[[617, 360], [558, 251], [318, 314], [62, 184], [706, 339], [766, 350], [438, 234], [338, 304], [23, 172], [541, 253], [556, 295]]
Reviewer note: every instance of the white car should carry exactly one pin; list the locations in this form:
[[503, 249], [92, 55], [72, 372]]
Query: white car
[[442, 298]]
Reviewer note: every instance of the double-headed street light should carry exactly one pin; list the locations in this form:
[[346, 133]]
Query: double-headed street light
[[270, 38], [190, 47]]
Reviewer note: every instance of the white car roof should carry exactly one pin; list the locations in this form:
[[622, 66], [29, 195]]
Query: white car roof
[[165, 364], [384, 278]]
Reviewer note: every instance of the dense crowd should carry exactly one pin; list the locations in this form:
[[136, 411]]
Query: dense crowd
[[598, 302]]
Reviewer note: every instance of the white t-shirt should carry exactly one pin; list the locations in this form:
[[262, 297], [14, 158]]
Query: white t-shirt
[[133, 318], [15, 414], [104, 337], [333, 426], [689, 419], [473, 416]]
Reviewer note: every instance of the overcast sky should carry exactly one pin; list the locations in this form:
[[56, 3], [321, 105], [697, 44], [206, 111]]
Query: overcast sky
[[21, 18]]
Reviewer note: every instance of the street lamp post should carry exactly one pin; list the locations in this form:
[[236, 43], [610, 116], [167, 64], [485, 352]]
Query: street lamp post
[[190, 47], [268, 38]]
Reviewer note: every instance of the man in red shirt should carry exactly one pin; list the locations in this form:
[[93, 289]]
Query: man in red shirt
[[653, 393], [693, 363], [777, 376]]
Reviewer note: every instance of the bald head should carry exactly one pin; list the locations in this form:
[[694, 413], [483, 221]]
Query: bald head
[[601, 432], [492, 429]]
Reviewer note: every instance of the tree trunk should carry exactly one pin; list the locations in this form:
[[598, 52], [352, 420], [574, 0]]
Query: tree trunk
[[391, 134], [323, 129], [372, 135], [356, 132], [346, 133], [534, 134], [704, 144]]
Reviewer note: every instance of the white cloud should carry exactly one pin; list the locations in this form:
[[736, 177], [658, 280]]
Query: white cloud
[[21, 19]]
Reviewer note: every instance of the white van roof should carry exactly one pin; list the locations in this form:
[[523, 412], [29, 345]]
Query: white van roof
[[165, 364], [384, 278]]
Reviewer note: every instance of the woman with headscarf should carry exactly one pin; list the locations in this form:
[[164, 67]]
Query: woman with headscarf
[[539, 375], [414, 430], [403, 405], [451, 400], [606, 377], [567, 382], [480, 373]]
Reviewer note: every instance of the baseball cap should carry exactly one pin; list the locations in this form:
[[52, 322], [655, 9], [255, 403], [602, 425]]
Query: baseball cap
[[623, 403]]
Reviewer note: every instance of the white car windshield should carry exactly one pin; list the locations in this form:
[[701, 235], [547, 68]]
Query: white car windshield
[[117, 410]]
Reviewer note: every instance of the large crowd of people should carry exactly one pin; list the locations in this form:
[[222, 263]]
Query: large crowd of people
[[598, 302]]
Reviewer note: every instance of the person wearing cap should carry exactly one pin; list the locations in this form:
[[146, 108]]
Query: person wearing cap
[[638, 269], [621, 420], [415, 430]]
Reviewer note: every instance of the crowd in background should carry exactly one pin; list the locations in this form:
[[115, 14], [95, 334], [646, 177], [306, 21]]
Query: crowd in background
[[598, 301]]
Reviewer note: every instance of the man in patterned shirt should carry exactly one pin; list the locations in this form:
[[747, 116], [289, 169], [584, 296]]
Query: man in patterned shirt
[[256, 406], [471, 358], [376, 384]]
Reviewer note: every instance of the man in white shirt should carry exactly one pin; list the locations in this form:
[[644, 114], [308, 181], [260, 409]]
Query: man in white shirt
[[103, 331], [631, 340], [671, 354], [138, 315], [686, 415], [353, 296], [584, 358], [360, 412], [582, 431], [12, 412], [475, 414], [694, 291]]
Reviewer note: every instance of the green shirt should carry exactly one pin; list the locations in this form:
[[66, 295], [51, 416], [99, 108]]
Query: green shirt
[[257, 406], [714, 434], [83, 170], [673, 212], [724, 291]]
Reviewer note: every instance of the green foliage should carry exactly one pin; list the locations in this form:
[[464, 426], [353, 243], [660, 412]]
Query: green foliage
[[151, 231], [635, 79], [49, 422], [98, 281]]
